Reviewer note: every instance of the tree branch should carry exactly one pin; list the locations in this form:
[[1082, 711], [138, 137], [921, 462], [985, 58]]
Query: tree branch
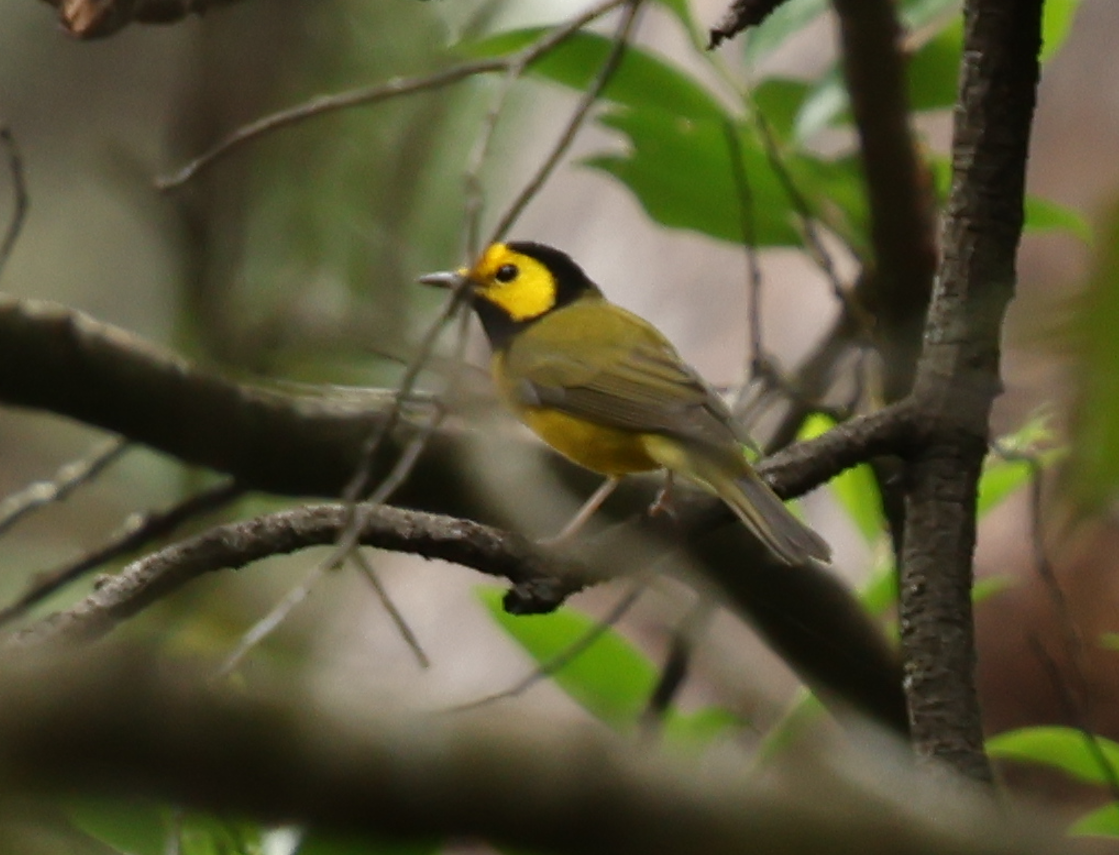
[[235, 545], [66, 363], [117, 724], [958, 375], [899, 189]]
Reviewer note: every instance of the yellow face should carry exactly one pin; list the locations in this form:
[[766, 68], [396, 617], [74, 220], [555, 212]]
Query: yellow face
[[520, 285]]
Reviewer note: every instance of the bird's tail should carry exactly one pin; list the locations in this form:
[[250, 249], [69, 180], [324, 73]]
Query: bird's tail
[[766, 516]]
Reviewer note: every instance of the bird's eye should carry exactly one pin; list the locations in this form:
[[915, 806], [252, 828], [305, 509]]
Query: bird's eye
[[506, 273]]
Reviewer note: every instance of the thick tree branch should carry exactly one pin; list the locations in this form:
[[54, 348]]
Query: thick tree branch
[[114, 724], [235, 545], [958, 375], [61, 361]]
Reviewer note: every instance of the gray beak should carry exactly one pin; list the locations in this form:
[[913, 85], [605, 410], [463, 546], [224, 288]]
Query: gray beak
[[449, 279]]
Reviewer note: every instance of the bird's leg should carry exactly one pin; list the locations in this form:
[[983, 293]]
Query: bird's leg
[[662, 504], [584, 513]]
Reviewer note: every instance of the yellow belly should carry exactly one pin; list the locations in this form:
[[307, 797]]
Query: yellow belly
[[601, 449]]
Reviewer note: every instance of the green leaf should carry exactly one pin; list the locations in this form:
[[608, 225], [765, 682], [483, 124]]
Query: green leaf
[[825, 105], [1109, 640], [681, 173], [130, 827], [611, 679], [855, 489], [778, 101], [789, 19], [1055, 25], [697, 730], [1102, 822], [641, 80], [934, 70], [1063, 748], [703, 196], [318, 842], [1043, 215], [1003, 474]]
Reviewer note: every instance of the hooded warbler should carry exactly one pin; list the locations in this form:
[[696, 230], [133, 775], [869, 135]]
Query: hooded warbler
[[608, 391]]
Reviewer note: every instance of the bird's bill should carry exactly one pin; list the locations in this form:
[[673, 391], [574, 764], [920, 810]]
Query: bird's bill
[[452, 280]]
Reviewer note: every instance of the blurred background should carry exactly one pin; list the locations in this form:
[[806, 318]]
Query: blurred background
[[293, 260]]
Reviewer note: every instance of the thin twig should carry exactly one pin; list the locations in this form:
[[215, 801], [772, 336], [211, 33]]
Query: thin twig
[[1074, 710], [365, 566], [140, 529], [813, 242], [268, 624], [68, 478], [588, 100], [21, 200], [755, 351], [367, 95]]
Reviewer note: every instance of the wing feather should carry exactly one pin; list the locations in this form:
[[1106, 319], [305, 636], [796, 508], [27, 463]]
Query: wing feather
[[621, 373]]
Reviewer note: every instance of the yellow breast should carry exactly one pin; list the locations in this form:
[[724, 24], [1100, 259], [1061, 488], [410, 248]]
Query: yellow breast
[[595, 447]]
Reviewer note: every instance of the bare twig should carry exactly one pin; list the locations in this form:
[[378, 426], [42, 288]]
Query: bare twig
[[369, 572], [271, 621], [755, 350], [69, 478], [367, 95], [139, 530], [21, 200], [1073, 704], [814, 244]]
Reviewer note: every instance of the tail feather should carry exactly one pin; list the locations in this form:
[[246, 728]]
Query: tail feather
[[726, 473], [766, 516]]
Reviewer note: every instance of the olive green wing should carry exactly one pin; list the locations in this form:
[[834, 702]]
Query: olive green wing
[[613, 368]]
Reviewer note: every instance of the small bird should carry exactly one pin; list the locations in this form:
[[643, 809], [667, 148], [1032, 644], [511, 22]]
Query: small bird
[[608, 391]]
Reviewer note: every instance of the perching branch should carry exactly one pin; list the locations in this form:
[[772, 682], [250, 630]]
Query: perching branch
[[62, 361], [235, 545]]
